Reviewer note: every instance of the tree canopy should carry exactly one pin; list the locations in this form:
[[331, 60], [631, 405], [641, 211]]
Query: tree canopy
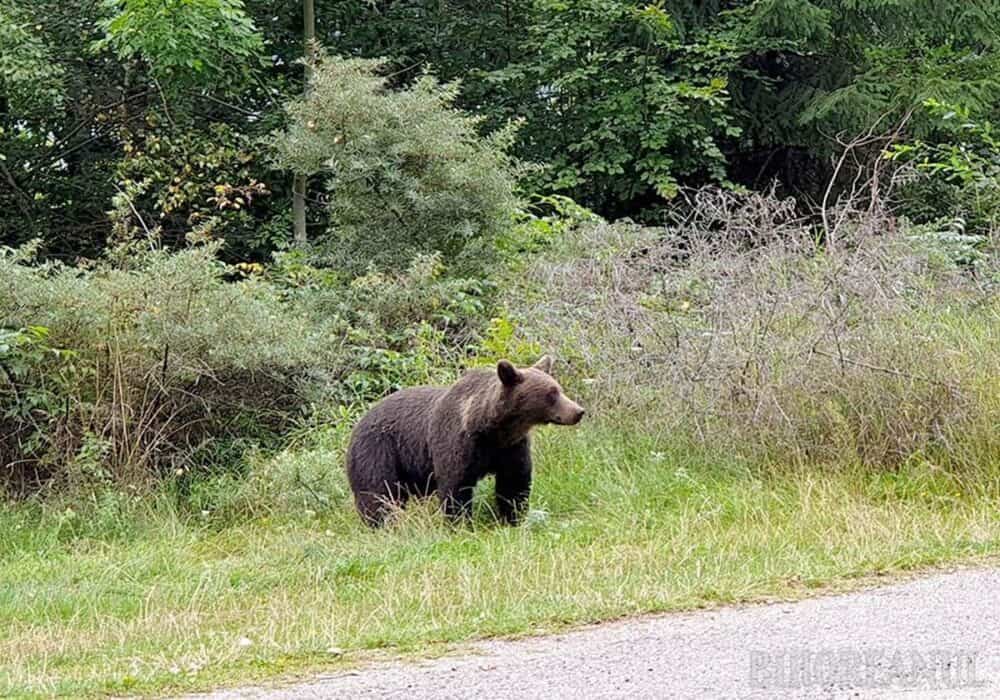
[[157, 115]]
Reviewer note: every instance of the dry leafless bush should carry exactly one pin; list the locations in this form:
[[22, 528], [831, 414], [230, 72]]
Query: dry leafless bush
[[742, 325]]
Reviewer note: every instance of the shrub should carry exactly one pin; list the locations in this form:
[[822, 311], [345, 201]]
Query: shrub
[[958, 172], [192, 184], [406, 173], [409, 327], [145, 364]]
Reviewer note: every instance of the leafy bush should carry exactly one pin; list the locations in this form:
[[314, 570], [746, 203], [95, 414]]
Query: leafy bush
[[406, 173], [127, 371], [960, 165], [540, 225], [29, 400], [411, 327], [196, 184]]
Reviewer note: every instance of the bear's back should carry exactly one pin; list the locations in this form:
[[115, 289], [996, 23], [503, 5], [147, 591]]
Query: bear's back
[[389, 443], [406, 410]]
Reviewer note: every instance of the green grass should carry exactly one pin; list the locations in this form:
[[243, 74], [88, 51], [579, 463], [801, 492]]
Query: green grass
[[134, 596]]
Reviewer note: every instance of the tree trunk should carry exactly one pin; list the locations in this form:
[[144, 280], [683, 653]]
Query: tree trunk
[[300, 183]]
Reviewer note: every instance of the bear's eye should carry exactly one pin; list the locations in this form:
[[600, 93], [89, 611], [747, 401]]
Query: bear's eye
[[552, 396]]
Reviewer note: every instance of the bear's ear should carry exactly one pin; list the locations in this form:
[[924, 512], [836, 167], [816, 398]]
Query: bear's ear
[[544, 364], [508, 373]]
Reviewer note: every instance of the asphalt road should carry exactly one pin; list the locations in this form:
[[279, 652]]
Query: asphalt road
[[932, 637]]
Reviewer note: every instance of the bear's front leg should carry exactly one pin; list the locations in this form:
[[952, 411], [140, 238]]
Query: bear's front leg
[[456, 498], [455, 472], [514, 483]]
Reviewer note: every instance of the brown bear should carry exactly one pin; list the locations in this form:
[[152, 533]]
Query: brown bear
[[423, 439]]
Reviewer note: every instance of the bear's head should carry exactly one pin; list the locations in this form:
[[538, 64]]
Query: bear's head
[[531, 396]]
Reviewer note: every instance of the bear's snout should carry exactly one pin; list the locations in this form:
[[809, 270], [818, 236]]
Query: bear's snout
[[571, 413]]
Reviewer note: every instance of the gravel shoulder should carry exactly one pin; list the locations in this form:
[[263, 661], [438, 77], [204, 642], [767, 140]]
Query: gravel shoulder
[[936, 636]]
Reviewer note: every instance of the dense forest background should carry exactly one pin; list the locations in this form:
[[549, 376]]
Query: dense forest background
[[174, 103]]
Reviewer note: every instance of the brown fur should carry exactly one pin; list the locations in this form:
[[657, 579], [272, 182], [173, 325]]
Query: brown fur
[[446, 439]]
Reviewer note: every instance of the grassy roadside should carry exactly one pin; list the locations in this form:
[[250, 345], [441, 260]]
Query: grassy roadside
[[151, 601]]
